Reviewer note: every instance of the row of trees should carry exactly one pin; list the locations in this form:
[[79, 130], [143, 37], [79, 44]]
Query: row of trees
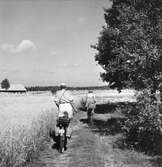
[[55, 88]]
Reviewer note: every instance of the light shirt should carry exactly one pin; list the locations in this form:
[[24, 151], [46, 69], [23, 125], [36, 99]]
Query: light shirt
[[63, 99], [90, 100], [63, 96]]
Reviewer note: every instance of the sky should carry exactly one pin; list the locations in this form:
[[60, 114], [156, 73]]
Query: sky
[[47, 42]]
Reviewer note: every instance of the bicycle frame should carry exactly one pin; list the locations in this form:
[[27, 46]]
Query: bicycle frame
[[62, 137]]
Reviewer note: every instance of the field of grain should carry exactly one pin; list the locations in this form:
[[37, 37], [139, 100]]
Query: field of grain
[[25, 123], [109, 96], [22, 109], [26, 120]]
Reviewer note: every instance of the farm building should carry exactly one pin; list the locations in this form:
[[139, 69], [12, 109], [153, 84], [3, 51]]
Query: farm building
[[14, 88]]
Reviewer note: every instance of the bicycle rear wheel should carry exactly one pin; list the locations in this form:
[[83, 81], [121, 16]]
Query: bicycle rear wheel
[[61, 143]]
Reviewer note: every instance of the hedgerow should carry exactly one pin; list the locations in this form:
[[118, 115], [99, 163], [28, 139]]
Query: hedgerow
[[143, 124]]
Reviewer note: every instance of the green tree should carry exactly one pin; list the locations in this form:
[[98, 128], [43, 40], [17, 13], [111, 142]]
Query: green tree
[[129, 47], [5, 84]]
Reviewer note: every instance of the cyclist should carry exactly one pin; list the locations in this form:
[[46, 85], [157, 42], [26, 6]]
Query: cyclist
[[64, 102]]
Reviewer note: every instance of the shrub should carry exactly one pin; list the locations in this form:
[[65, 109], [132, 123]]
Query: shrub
[[143, 124]]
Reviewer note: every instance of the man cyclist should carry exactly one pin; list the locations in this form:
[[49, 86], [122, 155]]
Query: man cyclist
[[90, 105], [64, 101]]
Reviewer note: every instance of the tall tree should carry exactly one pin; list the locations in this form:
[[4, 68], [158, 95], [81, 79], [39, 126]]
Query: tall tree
[[130, 44], [5, 84]]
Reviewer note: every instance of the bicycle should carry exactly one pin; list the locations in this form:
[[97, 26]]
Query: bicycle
[[62, 124]]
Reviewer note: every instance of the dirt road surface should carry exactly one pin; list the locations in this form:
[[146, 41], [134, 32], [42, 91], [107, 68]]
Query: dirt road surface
[[83, 149], [93, 146]]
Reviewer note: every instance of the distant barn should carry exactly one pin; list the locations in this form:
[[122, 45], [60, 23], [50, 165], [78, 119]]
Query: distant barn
[[14, 88]]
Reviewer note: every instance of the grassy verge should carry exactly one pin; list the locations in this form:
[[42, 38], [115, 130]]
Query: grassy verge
[[19, 145], [112, 148], [115, 156]]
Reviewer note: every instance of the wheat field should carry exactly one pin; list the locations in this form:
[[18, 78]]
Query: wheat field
[[27, 118], [25, 123]]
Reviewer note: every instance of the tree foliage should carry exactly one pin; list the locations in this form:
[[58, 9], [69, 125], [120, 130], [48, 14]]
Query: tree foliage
[[129, 47], [143, 124], [5, 84]]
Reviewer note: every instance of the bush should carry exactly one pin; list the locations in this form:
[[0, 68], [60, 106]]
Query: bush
[[143, 124]]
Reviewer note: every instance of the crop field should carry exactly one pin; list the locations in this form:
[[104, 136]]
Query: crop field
[[26, 120], [16, 110], [114, 96], [106, 96], [22, 109]]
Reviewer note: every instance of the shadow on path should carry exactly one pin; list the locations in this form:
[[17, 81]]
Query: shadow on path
[[106, 121], [108, 124], [109, 127], [110, 107]]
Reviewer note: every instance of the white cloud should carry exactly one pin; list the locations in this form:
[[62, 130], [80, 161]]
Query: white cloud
[[25, 45], [81, 20], [22, 46]]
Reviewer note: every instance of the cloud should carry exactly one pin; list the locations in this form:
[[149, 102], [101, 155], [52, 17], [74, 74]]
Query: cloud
[[81, 20], [22, 46], [25, 45]]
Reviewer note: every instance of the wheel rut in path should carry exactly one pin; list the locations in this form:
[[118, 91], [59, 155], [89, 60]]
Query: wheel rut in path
[[83, 149]]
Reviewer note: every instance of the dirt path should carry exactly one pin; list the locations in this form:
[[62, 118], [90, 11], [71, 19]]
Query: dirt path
[[96, 146], [83, 149]]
